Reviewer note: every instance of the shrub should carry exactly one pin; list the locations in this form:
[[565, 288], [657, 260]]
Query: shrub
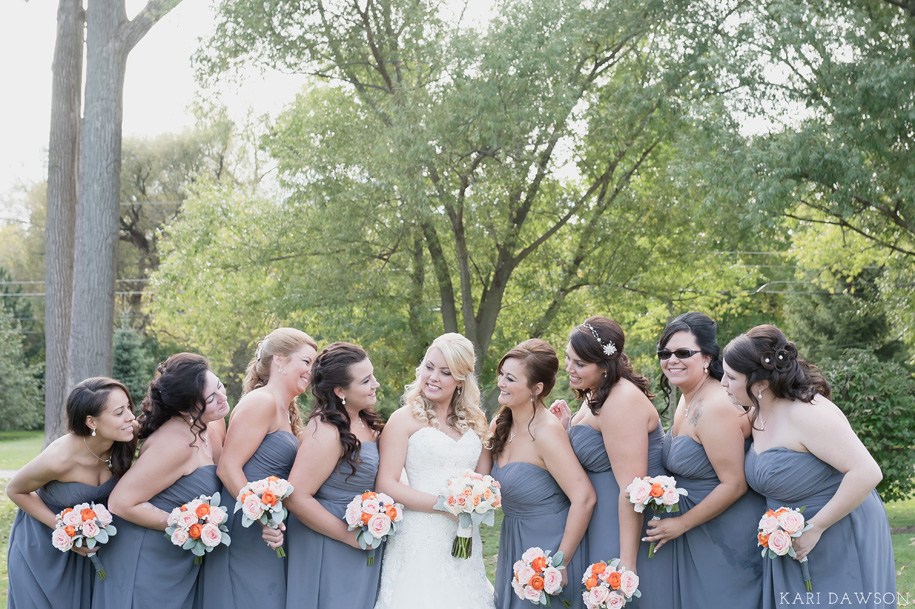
[[21, 403], [879, 400]]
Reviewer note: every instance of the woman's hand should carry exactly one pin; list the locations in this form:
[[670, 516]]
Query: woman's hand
[[273, 537], [808, 540], [661, 531], [562, 412], [84, 551]]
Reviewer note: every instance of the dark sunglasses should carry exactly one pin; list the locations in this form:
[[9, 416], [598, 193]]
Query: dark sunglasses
[[680, 353]]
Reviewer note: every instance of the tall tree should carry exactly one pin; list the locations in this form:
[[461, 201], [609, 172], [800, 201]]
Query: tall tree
[[84, 202]]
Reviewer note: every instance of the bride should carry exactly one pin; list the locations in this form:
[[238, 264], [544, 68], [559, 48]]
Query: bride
[[435, 435]]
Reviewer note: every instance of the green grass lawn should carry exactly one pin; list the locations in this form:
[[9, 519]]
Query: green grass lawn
[[19, 447]]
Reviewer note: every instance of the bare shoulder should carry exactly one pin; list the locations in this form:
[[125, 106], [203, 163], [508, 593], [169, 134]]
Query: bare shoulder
[[321, 431], [549, 428], [258, 404], [55, 460], [815, 415], [402, 422]]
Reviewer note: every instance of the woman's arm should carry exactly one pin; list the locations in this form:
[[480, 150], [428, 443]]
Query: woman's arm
[[319, 452], [35, 474], [553, 446], [722, 437], [162, 462], [826, 433], [392, 448], [253, 419]]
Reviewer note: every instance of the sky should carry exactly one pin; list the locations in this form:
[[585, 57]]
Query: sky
[[158, 89]]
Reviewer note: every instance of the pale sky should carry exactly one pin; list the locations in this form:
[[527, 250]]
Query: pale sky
[[158, 89]]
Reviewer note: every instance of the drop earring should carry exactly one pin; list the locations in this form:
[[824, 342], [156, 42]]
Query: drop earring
[[344, 401], [759, 395], [93, 432], [705, 370]]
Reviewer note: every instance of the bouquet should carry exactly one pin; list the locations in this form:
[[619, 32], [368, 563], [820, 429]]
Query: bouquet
[[609, 586], [373, 516], [473, 498], [657, 492], [262, 501], [199, 526], [777, 530], [86, 525], [537, 576]]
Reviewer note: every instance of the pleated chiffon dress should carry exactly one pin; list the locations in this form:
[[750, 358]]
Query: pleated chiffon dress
[[324, 572], [852, 563], [716, 564], [602, 540], [40, 575], [145, 569], [249, 573]]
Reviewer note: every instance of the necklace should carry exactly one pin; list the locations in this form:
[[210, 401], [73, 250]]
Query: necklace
[[108, 460], [511, 436]]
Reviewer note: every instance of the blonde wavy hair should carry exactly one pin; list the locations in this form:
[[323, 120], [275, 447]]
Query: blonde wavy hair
[[284, 342], [465, 412]]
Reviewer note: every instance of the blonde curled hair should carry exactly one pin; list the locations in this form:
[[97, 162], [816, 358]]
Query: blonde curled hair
[[465, 412], [284, 342]]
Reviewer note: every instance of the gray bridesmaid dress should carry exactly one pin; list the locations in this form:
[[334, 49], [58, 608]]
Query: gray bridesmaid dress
[[852, 563], [602, 541], [40, 575], [323, 571], [145, 570], [716, 564], [249, 573], [535, 511]]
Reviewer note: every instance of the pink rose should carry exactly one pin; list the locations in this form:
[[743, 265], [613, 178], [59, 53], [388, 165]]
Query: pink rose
[[531, 553], [552, 580], [518, 587], [598, 595], [103, 515], [670, 497], [279, 487], [615, 600], [779, 542], [524, 574], [767, 524], [629, 583], [353, 515], [385, 499], [217, 515], [258, 486], [90, 529], [531, 594], [251, 508], [210, 535], [791, 521], [179, 536], [186, 519], [370, 506], [61, 540], [639, 491], [379, 525], [72, 518]]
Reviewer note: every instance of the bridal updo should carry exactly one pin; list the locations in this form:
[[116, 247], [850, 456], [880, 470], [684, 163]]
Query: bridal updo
[[177, 390]]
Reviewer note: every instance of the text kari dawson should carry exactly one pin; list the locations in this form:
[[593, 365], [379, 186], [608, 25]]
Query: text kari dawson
[[848, 599]]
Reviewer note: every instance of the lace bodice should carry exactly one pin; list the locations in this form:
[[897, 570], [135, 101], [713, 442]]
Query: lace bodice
[[433, 457]]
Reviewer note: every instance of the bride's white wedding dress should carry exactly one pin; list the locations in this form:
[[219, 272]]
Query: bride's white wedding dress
[[418, 570]]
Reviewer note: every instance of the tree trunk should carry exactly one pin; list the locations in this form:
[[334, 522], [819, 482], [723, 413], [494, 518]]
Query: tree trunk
[[63, 150]]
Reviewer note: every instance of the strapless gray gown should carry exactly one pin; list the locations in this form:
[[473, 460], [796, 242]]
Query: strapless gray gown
[[535, 511], [145, 570], [716, 564], [249, 574], [40, 575], [324, 572], [602, 541], [852, 564]]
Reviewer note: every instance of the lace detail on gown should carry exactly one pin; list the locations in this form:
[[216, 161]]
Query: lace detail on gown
[[418, 570]]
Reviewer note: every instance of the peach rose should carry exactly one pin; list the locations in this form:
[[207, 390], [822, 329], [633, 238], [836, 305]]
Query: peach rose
[[216, 516], [186, 519], [598, 595], [768, 523], [639, 491], [518, 588], [251, 507], [791, 521], [531, 553], [552, 580], [258, 486], [179, 536], [353, 515], [90, 529], [279, 487], [524, 574], [671, 497], [379, 525], [71, 518], [104, 516], [210, 535], [629, 583], [532, 594], [371, 506], [779, 542], [615, 600], [61, 540]]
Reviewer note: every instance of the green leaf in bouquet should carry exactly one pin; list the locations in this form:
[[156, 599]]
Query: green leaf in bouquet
[[214, 500], [199, 549], [102, 536], [225, 536], [558, 557], [111, 529], [360, 537], [189, 544]]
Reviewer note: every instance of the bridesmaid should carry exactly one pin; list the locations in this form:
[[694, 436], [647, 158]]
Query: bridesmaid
[[805, 454], [261, 441], [547, 499], [716, 558], [337, 460], [79, 467], [175, 465], [617, 436]]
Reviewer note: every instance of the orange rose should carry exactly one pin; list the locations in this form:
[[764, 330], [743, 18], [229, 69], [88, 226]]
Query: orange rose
[[368, 495], [598, 568], [70, 531], [268, 498], [591, 582], [184, 508], [366, 517], [614, 580], [244, 496], [87, 514], [468, 492], [763, 540], [538, 564], [272, 479], [656, 490], [391, 511], [202, 510], [194, 531], [536, 582], [66, 511]]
